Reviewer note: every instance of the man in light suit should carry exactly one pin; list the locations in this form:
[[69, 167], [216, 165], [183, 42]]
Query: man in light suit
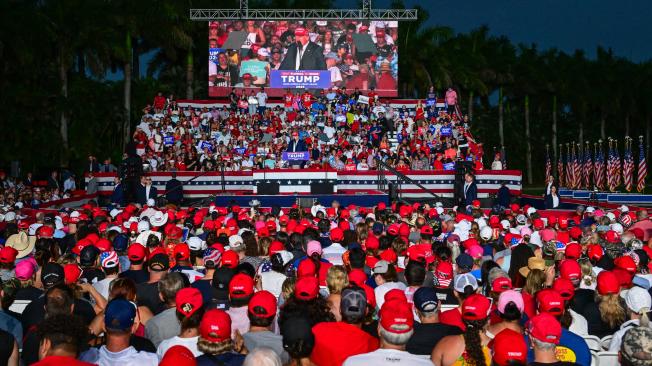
[[303, 54], [470, 189]]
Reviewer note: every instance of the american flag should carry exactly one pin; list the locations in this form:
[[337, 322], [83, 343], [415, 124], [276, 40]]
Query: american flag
[[560, 166], [548, 164], [642, 167], [569, 168], [588, 166], [577, 169], [617, 165], [628, 165], [612, 171], [599, 168]]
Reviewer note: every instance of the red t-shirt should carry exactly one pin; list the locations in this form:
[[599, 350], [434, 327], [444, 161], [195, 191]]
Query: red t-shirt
[[452, 317], [306, 99], [336, 341], [61, 360], [288, 98]]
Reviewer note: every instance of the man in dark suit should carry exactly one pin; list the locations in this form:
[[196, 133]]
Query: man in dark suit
[[470, 189], [118, 194], [303, 54], [146, 191], [296, 145], [547, 195], [174, 190]]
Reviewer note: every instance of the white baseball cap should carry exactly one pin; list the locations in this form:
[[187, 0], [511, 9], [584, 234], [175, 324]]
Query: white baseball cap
[[637, 299], [463, 280]]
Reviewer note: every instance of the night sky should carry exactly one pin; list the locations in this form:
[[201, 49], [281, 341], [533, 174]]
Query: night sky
[[625, 26]]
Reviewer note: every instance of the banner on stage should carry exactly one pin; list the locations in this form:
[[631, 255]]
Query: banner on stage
[[305, 79], [296, 156]]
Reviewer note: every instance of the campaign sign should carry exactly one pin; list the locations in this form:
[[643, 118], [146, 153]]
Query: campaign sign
[[206, 145], [168, 140], [212, 54], [307, 79], [431, 102], [255, 68], [240, 150], [294, 156], [449, 166], [446, 131]]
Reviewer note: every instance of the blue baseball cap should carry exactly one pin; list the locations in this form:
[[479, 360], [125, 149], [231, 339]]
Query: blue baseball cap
[[120, 242], [425, 299], [464, 261], [119, 315]]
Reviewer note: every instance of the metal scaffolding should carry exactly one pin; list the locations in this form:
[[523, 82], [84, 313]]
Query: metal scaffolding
[[244, 12]]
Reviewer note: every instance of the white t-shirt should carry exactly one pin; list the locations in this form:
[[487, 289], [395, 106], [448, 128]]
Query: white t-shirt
[[579, 325], [272, 281], [381, 290], [127, 357], [103, 286], [262, 99], [386, 357], [190, 343], [333, 253]]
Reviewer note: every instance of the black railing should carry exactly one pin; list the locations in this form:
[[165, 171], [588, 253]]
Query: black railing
[[400, 178]]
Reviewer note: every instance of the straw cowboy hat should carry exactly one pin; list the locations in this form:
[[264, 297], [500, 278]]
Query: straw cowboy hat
[[23, 243], [533, 263]]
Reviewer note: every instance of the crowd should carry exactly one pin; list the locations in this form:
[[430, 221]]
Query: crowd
[[338, 131], [337, 46], [400, 285]]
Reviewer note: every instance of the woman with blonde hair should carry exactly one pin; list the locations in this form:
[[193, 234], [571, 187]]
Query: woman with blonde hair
[[336, 280], [606, 314]]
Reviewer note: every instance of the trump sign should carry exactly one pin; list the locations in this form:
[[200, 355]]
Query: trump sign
[[306, 79]]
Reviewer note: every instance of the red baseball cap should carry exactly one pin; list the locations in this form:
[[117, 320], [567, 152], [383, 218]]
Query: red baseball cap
[[306, 268], [71, 273], [427, 230], [612, 237], [358, 277], [608, 283], [501, 284], [8, 255], [215, 326], [104, 245], [178, 356], [395, 294], [475, 307], [181, 252], [545, 328], [230, 259], [372, 242], [300, 31], [307, 288], [575, 232], [627, 263], [595, 252], [136, 252], [550, 301], [241, 286], [573, 251], [189, 300], [570, 270], [275, 247], [509, 346], [337, 235], [396, 316], [263, 304], [45, 231], [565, 288], [81, 244]]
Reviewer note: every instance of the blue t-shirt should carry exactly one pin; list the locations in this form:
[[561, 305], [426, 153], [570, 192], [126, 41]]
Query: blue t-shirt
[[571, 348]]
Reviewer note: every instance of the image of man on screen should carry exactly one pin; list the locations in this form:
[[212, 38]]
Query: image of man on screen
[[303, 54]]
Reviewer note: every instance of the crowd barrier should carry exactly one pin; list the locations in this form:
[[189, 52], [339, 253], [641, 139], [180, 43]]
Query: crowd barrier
[[298, 181], [410, 104]]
